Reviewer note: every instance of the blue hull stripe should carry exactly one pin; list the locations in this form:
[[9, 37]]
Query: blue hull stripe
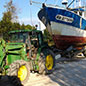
[[52, 12]]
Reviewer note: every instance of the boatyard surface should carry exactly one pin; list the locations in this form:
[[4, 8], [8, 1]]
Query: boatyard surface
[[66, 73]]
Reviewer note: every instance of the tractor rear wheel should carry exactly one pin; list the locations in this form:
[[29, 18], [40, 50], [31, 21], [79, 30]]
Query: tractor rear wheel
[[19, 68], [46, 62]]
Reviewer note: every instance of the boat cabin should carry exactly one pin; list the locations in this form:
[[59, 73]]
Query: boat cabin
[[80, 11]]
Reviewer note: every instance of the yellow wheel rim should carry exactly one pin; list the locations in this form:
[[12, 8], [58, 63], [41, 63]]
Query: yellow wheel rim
[[22, 73], [49, 62]]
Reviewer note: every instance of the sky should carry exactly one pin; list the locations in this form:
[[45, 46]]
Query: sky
[[27, 13]]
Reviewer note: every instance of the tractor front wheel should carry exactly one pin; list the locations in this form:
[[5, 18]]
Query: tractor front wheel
[[20, 69], [46, 62]]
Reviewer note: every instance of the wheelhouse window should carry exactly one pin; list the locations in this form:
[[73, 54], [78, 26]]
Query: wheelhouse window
[[80, 13], [75, 12]]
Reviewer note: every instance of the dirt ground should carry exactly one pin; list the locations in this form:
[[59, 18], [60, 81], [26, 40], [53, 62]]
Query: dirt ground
[[66, 73]]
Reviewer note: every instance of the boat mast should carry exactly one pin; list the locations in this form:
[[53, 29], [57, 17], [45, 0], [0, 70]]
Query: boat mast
[[79, 3], [70, 3], [75, 4]]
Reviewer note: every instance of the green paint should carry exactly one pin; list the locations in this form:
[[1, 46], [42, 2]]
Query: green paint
[[25, 36], [10, 52], [16, 51]]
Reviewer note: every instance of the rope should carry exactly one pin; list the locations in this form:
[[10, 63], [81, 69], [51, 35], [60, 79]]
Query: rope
[[45, 1], [31, 16]]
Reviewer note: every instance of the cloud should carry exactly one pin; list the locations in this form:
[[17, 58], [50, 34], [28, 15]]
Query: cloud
[[26, 21]]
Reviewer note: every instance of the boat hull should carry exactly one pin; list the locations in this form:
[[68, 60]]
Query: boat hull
[[63, 42], [66, 28], [65, 36]]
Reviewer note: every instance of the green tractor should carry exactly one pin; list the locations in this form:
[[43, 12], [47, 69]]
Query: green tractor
[[13, 61], [26, 51]]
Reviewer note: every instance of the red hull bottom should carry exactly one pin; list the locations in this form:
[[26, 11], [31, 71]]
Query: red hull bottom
[[63, 42]]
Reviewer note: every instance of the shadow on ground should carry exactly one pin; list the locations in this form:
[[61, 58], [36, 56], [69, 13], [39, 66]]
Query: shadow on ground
[[10, 81], [70, 73]]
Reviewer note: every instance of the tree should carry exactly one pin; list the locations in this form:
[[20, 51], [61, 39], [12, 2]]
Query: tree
[[6, 23], [8, 20], [10, 7], [16, 26], [28, 26], [22, 26]]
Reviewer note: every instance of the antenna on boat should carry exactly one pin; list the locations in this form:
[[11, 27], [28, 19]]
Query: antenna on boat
[[34, 2], [65, 2]]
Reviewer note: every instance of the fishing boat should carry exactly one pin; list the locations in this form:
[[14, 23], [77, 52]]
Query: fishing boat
[[67, 26]]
